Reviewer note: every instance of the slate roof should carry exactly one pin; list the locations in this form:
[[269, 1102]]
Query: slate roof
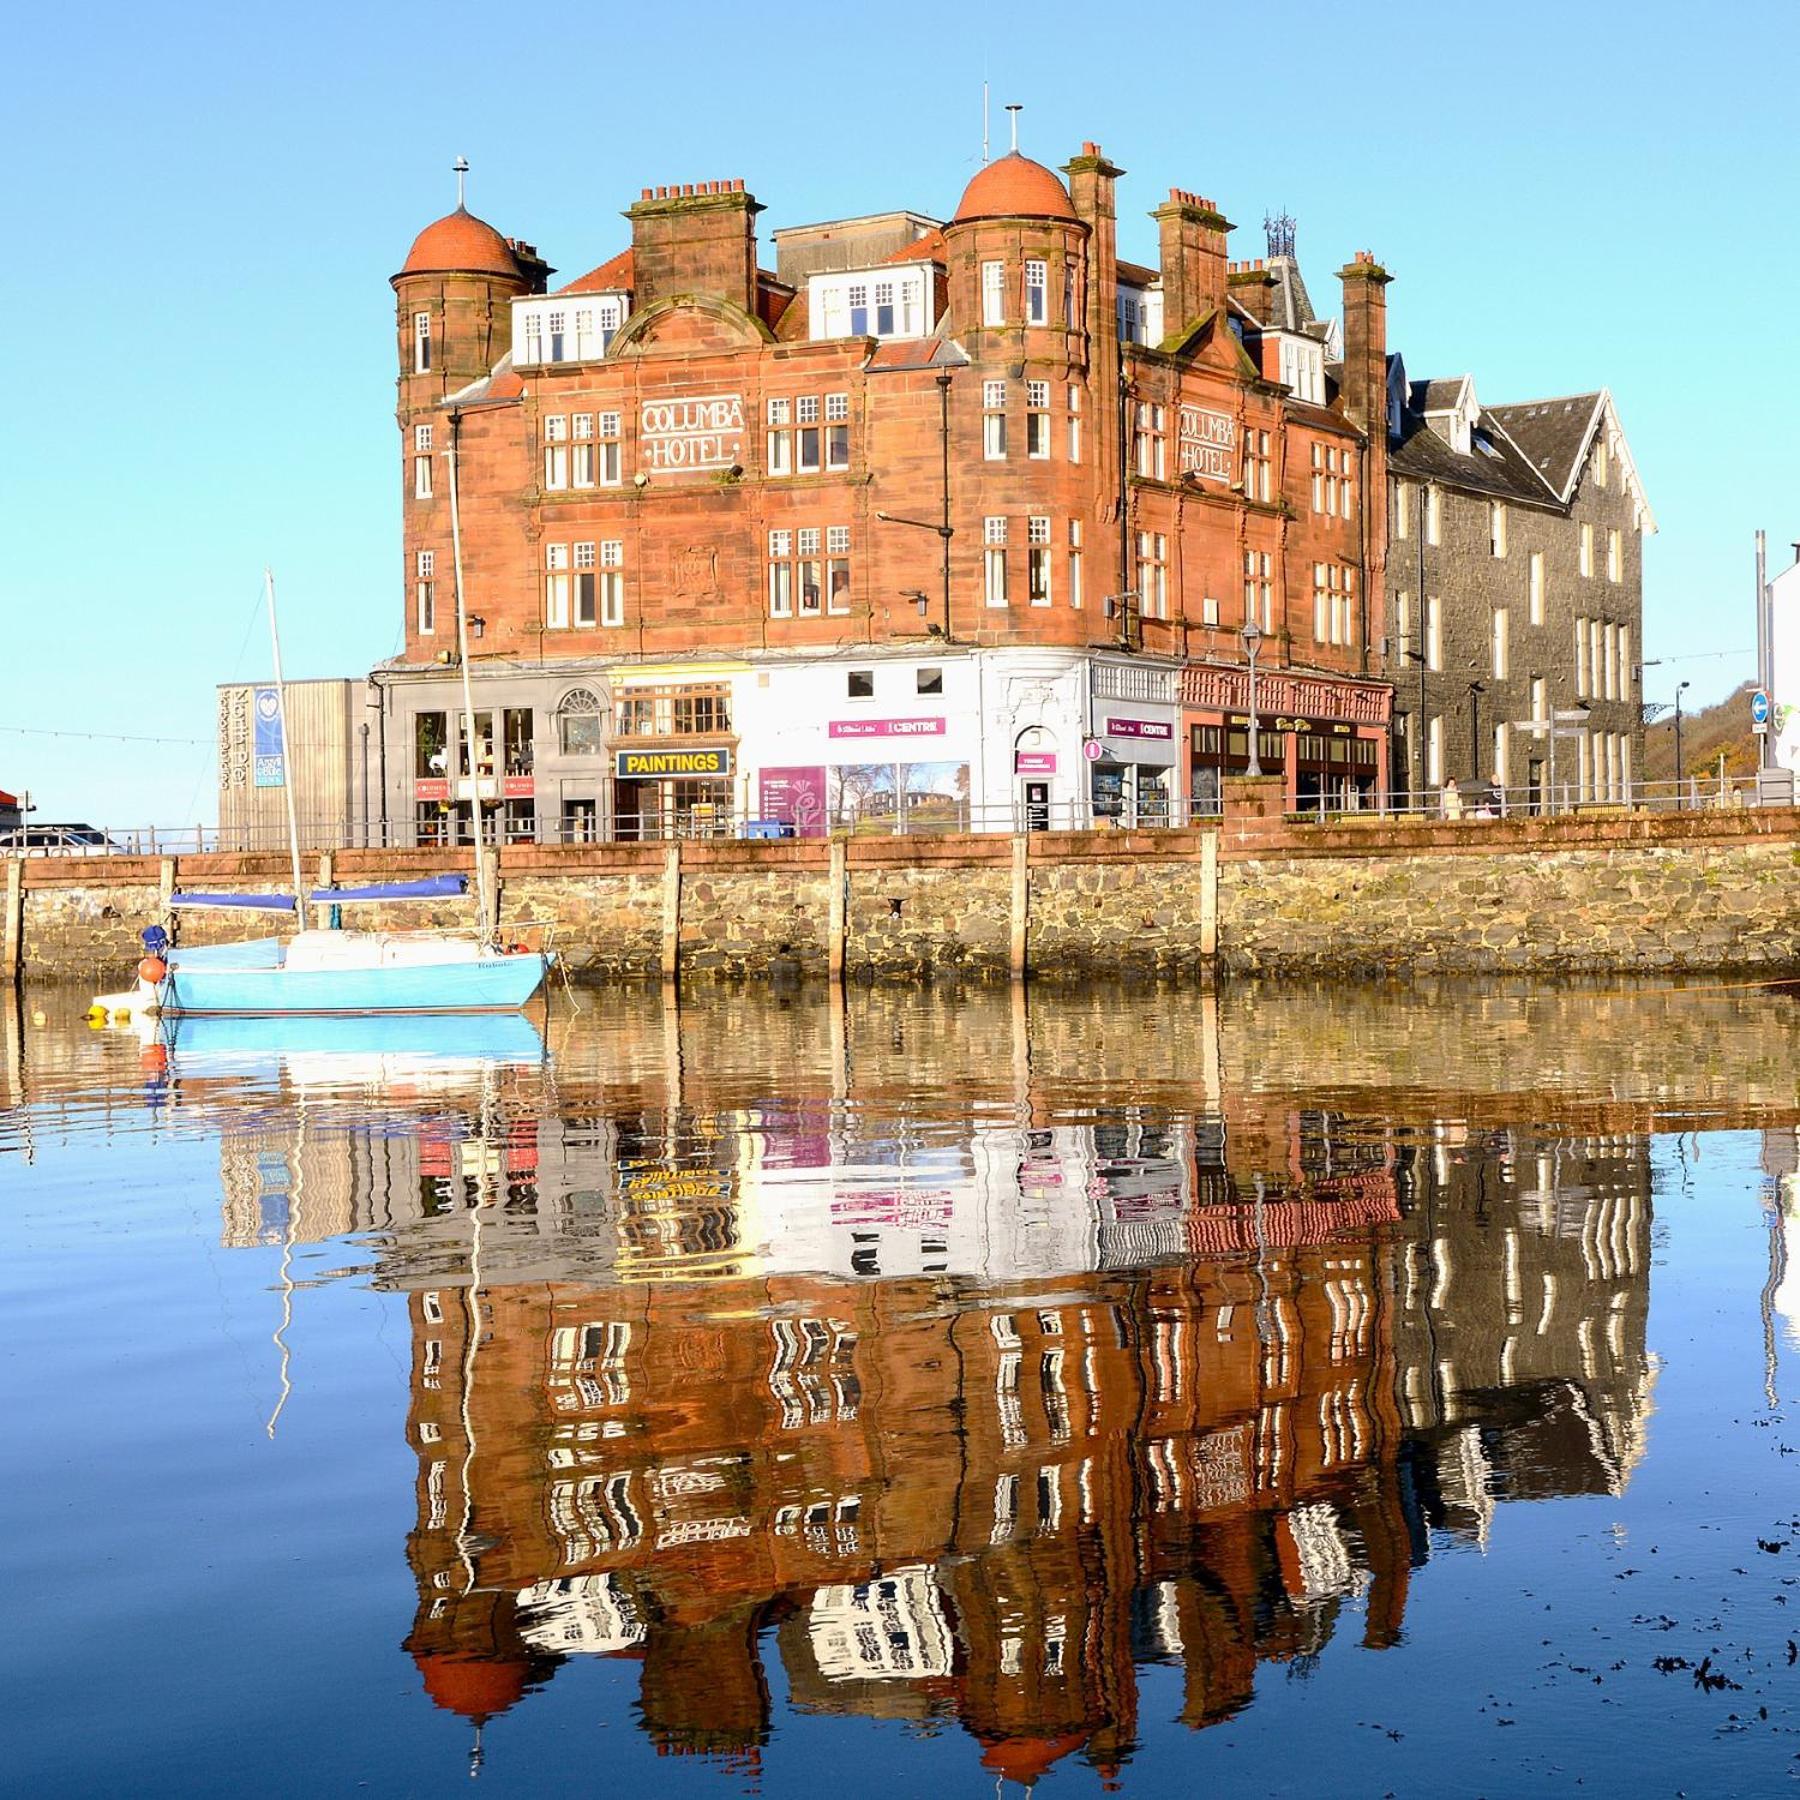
[[1435, 396], [1291, 308], [1553, 434], [1494, 466]]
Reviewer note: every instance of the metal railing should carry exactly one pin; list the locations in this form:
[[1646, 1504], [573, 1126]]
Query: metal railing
[[1490, 800], [928, 816]]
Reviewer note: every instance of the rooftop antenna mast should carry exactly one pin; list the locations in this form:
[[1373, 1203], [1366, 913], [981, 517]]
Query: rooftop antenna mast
[[1013, 110], [461, 166], [984, 117]]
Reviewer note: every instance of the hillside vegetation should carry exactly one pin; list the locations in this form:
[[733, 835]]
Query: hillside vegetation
[[1722, 726]]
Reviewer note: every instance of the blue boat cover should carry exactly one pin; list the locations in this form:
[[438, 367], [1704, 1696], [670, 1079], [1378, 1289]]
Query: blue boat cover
[[247, 902], [427, 887]]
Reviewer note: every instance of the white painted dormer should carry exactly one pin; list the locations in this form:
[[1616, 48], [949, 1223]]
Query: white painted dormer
[[1300, 365], [1140, 313], [565, 328], [1455, 422], [890, 301]]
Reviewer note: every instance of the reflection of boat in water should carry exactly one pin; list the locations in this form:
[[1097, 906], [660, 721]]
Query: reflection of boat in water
[[389, 1050]]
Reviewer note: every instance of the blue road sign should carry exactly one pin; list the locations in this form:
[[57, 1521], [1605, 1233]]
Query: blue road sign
[[1759, 708]]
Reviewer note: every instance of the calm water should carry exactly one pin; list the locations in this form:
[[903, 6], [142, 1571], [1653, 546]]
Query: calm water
[[1307, 1393]]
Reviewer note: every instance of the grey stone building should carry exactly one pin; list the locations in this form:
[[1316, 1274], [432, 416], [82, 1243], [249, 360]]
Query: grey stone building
[[1514, 592]]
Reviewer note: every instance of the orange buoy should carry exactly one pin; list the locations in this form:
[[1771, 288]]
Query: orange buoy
[[152, 969]]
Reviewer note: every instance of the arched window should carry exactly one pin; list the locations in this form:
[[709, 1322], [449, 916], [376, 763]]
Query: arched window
[[581, 723]]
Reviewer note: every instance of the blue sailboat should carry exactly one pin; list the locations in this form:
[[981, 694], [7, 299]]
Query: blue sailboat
[[338, 972]]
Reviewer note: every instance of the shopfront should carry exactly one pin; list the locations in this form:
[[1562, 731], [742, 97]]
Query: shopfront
[[1132, 772], [673, 761], [1325, 736]]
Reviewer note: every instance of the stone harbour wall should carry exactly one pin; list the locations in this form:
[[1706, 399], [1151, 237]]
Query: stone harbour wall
[[1673, 909], [1589, 893]]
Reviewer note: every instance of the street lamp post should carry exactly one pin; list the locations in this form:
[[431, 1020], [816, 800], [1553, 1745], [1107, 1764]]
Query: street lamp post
[[1679, 688], [1253, 638]]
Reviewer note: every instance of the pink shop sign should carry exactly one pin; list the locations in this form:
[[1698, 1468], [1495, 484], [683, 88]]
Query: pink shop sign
[[1139, 728], [1034, 762], [884, 728]]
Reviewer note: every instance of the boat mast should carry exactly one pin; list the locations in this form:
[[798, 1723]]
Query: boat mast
[[462, 657], [287, 757]]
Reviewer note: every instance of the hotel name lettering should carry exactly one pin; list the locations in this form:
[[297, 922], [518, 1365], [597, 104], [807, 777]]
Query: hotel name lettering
[[670, 765], [679, 437], [1205, 443]]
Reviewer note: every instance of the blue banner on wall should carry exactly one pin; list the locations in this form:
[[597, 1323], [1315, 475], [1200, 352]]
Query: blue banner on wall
[[271, 763]]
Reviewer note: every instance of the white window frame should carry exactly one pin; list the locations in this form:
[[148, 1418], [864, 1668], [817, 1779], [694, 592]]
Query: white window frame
[[556, 452], [1615, 554], [1037, 421], [1502, 642], [1074, 422], [1075, 565], [556, 587], [1037, 291], [1537, 587], [584, 591], [1586, 555], [1497, 528], [779, 442], [1434, 633], [1434, 514], [421, 343], [425, 591], [993, 293], [612, 583], [993, 421], [1037, 560], [993, 537], [781, 574]]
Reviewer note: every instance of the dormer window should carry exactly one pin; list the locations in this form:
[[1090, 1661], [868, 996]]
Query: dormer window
[[862, 304], [1301, 367], [561, 332]]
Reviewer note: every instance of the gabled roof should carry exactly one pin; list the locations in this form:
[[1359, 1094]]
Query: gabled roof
[[1442, 395], [1557, 437], [614, 276], [1138, 274], [501, 382], [1493, 465], [937, 352], [929, 248]]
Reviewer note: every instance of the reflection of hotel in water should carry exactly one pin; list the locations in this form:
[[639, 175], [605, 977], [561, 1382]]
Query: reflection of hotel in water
[[976, 1427]]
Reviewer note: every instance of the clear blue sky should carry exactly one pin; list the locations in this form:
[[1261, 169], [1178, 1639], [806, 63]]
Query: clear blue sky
[[205, 204]]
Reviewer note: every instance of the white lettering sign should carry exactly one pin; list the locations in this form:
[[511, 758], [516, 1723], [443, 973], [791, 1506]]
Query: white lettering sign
[[682, 436], [1205, 443]]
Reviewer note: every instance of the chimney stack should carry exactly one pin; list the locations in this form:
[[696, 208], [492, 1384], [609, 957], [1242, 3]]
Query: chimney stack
[[1193, 258], [696, 237]]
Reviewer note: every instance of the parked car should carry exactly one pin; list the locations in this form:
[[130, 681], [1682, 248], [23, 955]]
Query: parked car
[[58, 840]]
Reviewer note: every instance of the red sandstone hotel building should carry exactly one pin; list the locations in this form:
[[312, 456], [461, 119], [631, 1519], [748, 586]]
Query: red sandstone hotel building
[[933, 523]]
